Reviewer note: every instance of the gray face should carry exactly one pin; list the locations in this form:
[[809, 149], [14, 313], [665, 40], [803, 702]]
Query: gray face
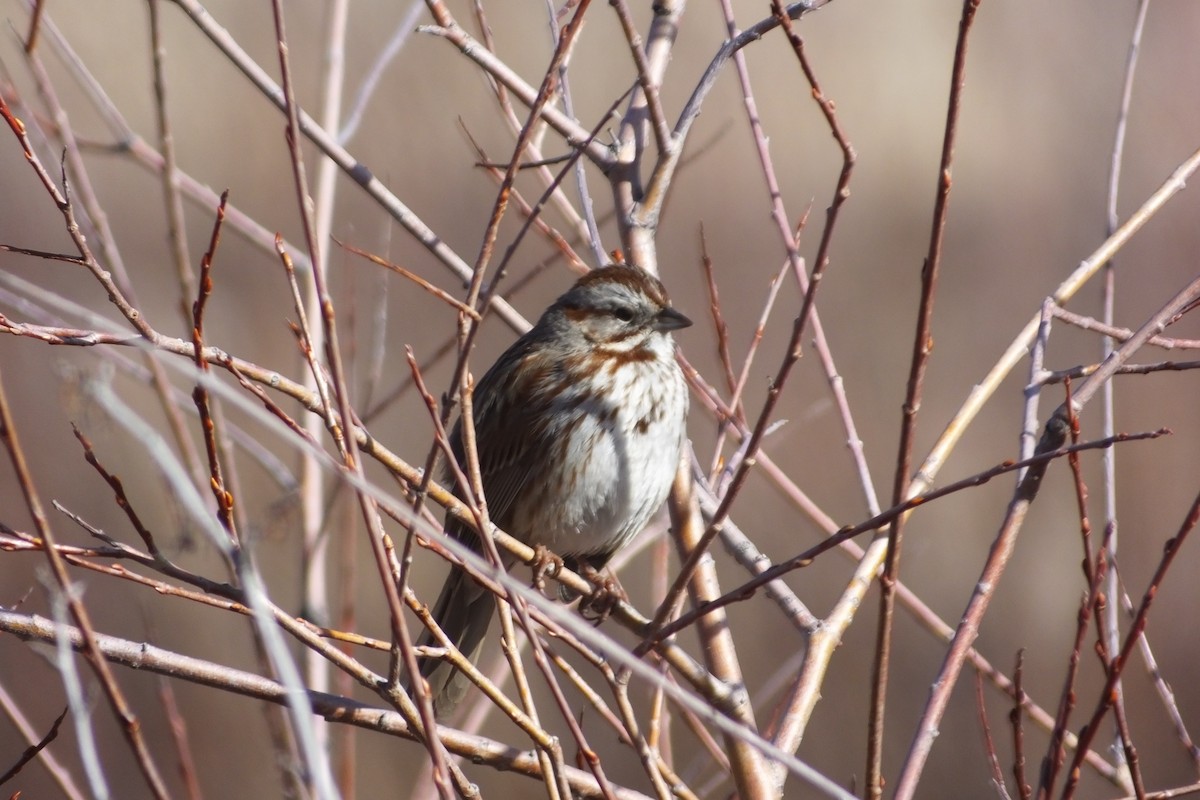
[[620, 306]]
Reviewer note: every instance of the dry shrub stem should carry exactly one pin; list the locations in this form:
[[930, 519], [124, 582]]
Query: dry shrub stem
[[921, 350], [130, 725]]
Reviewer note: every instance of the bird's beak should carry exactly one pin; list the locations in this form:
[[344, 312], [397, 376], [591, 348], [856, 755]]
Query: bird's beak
[[670, 320]]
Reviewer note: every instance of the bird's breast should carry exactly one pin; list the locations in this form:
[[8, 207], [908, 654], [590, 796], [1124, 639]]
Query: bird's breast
[[608, 461]]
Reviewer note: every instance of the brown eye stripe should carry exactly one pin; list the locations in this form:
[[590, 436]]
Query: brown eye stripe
[[581, 314]]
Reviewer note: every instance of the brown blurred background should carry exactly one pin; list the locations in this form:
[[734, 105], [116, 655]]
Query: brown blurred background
[[1028, 204]]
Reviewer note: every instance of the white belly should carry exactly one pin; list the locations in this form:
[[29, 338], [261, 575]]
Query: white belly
[[620, 461]]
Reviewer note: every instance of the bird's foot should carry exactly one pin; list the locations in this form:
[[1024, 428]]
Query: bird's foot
[[606, 594], [545, 563]]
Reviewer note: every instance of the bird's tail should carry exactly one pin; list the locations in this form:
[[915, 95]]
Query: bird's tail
[[463, 611]]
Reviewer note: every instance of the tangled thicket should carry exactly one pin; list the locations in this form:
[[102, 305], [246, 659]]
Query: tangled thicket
[[224, 475]]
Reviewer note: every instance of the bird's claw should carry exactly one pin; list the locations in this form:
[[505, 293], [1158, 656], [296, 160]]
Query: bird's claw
[[545, 563], [597, 606]]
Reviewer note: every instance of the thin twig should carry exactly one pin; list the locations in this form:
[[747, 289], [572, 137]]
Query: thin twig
[[989, 744], [371, 81], [352, 167], [1116, 668], [722, 329], [1094, 570], [648, 78], [804, 559], [221, 494], [436, 291], [34, 750], [60, 774], [448, 29], [173, 199], [1054, 434], [346, 444], [314, 507], [113, 273], [1165, 692], [748, 768], [142, 656], [128, 721], [921, 350], [1110, 331], [35, 20], [1017, 350], [1023, 789]]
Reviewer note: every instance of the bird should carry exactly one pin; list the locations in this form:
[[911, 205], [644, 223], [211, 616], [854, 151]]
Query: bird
[[579, 428]]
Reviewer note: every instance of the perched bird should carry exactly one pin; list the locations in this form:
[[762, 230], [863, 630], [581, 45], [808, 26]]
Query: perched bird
[[579, 428]]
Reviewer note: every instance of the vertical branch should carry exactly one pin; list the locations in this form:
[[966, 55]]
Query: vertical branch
[[1053, 435], [1165, 692], [658, 737], [647, 99], [173, 200], [119, 278], [922, 346], [1094, 568], [1117, 666], [589, 228], [131, 728], [550, 761], [791, 357], [179, 737], [638, 223], [314, 565], [35, 25], [1018, 729], [283, 739], [222, 496], [60, 774], [360, 173], [989, 744], [1111, 617], [347, 444], [748, 766], [722, 330]]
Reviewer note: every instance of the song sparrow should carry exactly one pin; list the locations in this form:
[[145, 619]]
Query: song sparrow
[[579, 427]]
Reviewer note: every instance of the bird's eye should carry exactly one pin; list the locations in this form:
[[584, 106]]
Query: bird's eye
[[623, 314]]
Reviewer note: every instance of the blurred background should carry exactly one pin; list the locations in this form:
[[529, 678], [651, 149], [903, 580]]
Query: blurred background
[[1028, 204]]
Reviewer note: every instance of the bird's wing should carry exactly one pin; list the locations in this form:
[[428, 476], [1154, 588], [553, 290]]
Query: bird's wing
[[509, 439]]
